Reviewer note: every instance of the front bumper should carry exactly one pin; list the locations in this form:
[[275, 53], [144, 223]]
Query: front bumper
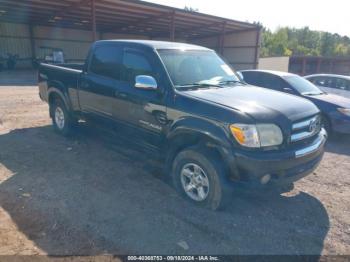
[[282, 167]]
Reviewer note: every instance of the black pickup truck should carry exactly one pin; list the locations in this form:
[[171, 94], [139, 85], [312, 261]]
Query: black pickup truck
[[213, 131]]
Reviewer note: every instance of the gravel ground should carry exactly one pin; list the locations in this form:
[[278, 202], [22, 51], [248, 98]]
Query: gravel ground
[[93, 194]]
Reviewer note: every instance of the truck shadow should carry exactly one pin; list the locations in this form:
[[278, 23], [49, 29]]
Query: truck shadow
[[88, 196]]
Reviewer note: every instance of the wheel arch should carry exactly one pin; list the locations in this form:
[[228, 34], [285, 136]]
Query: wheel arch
[[207, 138], [56, 92]]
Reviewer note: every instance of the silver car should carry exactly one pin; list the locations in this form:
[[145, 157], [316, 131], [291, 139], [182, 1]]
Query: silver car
[[333, 84]]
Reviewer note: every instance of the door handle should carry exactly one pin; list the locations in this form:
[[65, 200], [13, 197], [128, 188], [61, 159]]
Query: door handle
[[120, 94], [123, 95]]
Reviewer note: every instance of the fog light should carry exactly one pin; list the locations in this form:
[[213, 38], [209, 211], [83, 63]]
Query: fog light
[[265, 179]]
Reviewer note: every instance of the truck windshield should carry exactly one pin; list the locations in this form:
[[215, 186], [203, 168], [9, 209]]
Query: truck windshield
[[303, 86], [197, 68]]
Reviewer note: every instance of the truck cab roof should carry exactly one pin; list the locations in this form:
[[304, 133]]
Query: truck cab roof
[[157, 44]]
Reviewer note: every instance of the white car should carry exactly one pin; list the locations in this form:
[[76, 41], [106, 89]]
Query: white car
[[333, 84]]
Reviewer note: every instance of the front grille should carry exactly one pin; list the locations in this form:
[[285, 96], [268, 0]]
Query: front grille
[[305, 129]]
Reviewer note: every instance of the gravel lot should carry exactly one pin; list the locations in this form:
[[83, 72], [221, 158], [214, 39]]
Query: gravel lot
[[95, 194]]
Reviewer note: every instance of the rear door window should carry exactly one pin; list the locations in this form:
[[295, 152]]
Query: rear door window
[[273, 82], [269, 81], [323, 81], [347, 85], [107, 61], [265, 80], [340, 83], [251, 78]]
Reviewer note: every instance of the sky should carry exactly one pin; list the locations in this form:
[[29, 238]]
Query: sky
[[332, 16]]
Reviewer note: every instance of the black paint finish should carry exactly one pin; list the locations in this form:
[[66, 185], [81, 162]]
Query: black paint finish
[[169, 119]]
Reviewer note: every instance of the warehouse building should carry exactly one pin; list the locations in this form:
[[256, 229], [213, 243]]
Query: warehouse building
[[33, 28]]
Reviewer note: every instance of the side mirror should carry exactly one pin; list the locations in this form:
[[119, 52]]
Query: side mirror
[[145, 82]]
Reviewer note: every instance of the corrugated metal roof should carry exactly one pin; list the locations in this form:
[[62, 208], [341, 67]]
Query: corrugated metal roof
[[119, 16]]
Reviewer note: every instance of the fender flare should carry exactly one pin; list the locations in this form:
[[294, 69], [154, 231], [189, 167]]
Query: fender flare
[[208, 129], [59, 89], [213, 134]]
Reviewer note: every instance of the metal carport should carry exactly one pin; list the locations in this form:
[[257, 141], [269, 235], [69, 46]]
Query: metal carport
[[72, 25]]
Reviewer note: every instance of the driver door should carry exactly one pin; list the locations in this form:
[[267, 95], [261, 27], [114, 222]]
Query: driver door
[[143, 111]]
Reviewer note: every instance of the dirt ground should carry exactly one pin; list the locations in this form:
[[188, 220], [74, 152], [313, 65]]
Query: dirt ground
[[94, 194]]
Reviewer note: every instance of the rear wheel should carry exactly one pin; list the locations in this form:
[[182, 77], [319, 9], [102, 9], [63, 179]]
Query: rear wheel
[[62, 121], [198, 178]]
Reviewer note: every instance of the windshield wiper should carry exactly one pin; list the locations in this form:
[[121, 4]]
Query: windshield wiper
[[208, 84], [311, 94], [198, 85], [231, 82]]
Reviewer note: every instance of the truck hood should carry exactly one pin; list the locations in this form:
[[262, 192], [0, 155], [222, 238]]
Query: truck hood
[[260, 103], [335, 100]]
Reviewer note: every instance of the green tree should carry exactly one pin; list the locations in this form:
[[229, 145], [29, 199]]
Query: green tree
[[287, 41], [327, 46], [275, 44], [190, 9]]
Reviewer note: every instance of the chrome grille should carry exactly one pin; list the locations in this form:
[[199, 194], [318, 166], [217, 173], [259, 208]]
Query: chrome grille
[[305, 129]]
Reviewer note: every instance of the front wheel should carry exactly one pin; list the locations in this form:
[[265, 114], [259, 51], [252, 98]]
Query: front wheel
[[198, 178]]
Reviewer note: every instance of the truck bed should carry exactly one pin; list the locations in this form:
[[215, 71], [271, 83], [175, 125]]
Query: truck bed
[[66, 75], [76, 66]]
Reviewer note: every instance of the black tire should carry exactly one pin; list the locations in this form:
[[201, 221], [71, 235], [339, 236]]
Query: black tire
[[58, 107], [216, 194]]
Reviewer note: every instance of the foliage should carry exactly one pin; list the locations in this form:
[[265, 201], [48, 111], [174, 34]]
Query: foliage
[[190, 9], [287, 41]]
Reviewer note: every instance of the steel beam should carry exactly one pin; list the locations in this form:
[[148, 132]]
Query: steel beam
[[331, 65], [172, 27], [303, 66], [222, 38], [257, 47], [32, 41], [318, 67], [93, 22]]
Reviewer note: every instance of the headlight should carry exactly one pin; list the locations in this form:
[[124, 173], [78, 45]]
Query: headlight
[[246, 135], [260, 135], [345, 111]]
